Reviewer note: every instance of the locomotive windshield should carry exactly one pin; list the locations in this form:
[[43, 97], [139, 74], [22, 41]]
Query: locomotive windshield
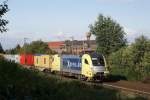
[[98, 61]]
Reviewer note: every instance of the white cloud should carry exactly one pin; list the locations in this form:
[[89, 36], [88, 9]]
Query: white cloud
[[132, 33]]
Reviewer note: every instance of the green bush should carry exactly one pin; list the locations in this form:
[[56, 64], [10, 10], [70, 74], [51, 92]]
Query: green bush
[[133, 62]]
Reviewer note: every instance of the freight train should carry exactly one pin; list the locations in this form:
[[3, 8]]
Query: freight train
[[89, 66]]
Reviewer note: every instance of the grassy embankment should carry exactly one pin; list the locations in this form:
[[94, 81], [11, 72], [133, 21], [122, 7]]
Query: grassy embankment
[[18, 83]]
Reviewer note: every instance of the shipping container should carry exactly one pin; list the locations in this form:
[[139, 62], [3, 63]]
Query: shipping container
[[27, 59], [46, 61], [17, 58], [22, 59], [9, 57], [71, 64], [56, 59], [37, 60]]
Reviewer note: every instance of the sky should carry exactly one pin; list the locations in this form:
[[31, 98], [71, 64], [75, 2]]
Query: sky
[[52, 20]]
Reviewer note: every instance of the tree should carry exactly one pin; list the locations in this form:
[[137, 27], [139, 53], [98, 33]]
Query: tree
[[15, 50], [36, 47], [1, 49], [140, 50], [132, 61], [146, 64], [110, 36], [140, 47], [3, 22]]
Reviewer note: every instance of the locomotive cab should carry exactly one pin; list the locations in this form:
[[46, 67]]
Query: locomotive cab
[[93, 66]]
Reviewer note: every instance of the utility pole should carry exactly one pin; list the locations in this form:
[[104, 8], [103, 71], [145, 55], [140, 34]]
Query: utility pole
[[83, 46], [88, 36], [25, 42], [72, 39]]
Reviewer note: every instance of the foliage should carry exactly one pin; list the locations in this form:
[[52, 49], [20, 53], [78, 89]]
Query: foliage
[[37, 47], [3, 22], [18, 83], [132, 61], [15, 50], [109, 35]]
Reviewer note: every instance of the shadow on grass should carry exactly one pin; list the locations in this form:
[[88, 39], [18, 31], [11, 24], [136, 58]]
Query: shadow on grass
[[114, 78], [146, 80]]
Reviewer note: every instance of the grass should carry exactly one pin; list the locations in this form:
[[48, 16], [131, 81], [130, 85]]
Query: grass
[[18, 83]]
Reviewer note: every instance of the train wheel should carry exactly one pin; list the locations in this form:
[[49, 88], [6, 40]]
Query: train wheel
[[53, 72], [83, 78], [79, 77], [101, 79], [90, 79], [46, 71]]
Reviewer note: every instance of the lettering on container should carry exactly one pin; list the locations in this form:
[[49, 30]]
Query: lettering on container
[[72, 63]]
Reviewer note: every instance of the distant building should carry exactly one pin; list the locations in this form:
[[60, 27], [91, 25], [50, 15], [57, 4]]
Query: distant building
[[80, 46], [72, 47], [56, 46]]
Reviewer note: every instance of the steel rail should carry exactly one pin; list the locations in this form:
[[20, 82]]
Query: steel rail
[[127, 89]]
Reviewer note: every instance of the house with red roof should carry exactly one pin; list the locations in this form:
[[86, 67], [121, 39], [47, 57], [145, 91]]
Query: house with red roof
[[57, 46]]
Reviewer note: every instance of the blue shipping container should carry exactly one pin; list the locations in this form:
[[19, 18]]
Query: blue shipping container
[[71, 63]]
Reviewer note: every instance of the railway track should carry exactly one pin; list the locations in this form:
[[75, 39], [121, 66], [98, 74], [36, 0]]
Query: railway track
[[116, 85], [126, 90], [125, 86], [135, 91]]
